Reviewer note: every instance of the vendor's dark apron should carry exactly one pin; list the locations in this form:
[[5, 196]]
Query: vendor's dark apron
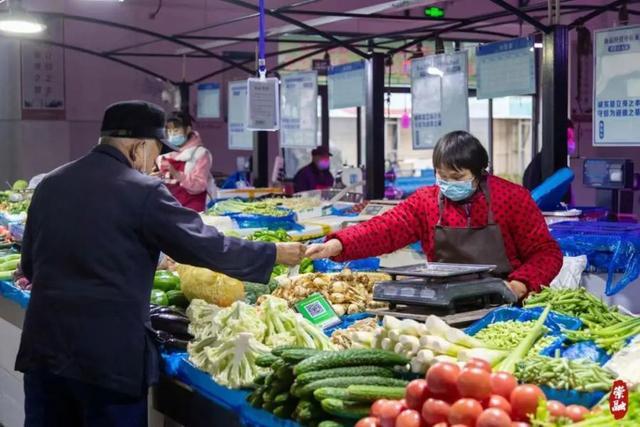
[[471, 245], [197, 202]]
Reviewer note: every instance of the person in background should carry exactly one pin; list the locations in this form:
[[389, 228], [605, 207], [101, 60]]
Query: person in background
[[469, 217], [532, 177], [316, 175], [187, 171], [92, 240]]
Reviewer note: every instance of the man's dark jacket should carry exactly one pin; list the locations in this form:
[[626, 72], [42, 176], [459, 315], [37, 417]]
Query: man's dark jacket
[[94, 232]]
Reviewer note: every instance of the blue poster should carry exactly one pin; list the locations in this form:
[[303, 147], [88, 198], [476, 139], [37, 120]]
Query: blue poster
[[347, 85], [616, 87], [506, 68], [208, 101], [439, 97]]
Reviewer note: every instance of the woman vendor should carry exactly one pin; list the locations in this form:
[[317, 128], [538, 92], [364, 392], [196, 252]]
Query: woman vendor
[[467, 217], [187, 171]]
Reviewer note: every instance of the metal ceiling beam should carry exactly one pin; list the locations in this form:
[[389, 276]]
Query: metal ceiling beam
[[298, 24], [380, 16], [596, 12], [97, 54], [146, 32], [520, 14]]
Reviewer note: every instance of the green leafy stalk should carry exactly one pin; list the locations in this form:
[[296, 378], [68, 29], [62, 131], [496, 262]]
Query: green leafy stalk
[[521, 351]]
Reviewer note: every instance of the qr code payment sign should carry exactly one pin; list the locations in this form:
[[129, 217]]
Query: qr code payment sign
[[316, 309]]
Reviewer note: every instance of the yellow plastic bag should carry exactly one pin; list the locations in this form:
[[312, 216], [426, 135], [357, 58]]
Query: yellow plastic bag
[[214, 288]]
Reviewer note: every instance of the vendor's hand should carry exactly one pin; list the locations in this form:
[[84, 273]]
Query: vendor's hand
[[328, 249], [519, 289], [289, 253], [175, 174]]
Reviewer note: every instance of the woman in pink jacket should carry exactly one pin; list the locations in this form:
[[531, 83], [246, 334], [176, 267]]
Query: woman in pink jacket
[[187, 171]]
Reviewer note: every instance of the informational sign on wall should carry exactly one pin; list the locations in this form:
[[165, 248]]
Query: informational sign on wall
[[239, 137], [347, 85], [616, 87], [208, 101], [42, 81], [506, 68], [263, 104], [439, 97], [299, 110]]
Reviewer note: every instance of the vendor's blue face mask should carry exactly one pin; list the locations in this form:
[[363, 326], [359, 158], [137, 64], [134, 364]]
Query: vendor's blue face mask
[[456, 190], [177, 140]]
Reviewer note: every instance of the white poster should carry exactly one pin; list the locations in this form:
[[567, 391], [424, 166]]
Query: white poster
[[239, 137], [506, 68], [347, 85], [616, 87], [439, 97], [299, 110], [42, 81], [208, 101], [263, 109]]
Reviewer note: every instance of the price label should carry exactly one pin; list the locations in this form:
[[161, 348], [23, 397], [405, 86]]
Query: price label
[[316, 309]]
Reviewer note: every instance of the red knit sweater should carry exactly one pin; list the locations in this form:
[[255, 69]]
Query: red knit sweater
[[534, 255]]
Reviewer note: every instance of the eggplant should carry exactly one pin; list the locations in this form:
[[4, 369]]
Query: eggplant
[[170, 323], [159, 309]]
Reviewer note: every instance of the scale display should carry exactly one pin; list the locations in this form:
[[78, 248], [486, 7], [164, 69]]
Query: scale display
[[440, 270]]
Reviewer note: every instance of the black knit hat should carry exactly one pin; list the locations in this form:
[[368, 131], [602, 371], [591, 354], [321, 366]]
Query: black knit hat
[[135, 119]]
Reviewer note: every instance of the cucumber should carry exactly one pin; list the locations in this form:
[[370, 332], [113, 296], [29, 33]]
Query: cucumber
[[266, 360], [345, 382], [341, 409], [348, 371], [308, 410], [281, 398], [279, 350], [332, 423], [280, 363], [298, 355], [330, 393], [283, 411], [260, 379], [268, 406], [9, 265], [371, 393], [269, 380], [285, 375], [353, 357]]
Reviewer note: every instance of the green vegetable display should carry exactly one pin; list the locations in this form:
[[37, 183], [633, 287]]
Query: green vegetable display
[[273, 236], [611, 338], [176, 297], [252, 291], [159, 297], [505, 335], [354, 357], [232, 206], [564, 374], [166, 281], [578, 303], [525, 346]]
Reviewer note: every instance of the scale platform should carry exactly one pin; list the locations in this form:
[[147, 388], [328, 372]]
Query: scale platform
[[442, 289]]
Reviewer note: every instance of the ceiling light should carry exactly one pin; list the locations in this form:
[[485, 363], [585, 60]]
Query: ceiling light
[[17, 21]]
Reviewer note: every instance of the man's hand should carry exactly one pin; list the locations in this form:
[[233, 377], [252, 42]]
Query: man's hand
[[289, 253], [518, 288], [325, 250]]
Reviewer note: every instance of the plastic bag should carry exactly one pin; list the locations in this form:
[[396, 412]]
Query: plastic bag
[[328, 266], [555, 322], [573, 397], [586, 350], [571, 273], [287, 222]]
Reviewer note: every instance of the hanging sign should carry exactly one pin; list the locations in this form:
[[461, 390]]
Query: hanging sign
[[263, 109], [616, 87], [208, 101], [439, 97], [299, 110], [347, 85], [42, 81], [239, 137], [506, 68]]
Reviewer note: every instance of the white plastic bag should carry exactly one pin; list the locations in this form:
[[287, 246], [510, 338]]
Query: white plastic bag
[[571, 273]]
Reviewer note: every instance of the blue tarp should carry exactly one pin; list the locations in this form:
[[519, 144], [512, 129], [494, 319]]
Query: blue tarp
[[610, 247], [550, 193], [14, 294]]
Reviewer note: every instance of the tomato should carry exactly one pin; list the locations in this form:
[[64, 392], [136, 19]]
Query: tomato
[[474, 383], [442, 378], [442, 424], [377, 407], [435, 411], [503, 383], [555, 408], [403, 402], [576, 412], [368, 422], [476, 362], [524, 401], [416, 394], [497, 401], [389, 412], [493, 417], [409, 418], [520, 424], [465, 411]]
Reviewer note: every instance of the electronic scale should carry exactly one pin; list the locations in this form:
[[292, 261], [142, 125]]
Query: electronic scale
[[443, 288]]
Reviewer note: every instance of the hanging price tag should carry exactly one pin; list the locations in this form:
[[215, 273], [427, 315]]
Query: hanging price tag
[[263, 104], [317, 310]]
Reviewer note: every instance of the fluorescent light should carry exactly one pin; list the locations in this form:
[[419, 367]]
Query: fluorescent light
[[18, 22], [434, 71]]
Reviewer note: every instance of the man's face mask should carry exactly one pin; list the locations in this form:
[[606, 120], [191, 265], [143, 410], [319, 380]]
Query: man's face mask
[[323, 164]]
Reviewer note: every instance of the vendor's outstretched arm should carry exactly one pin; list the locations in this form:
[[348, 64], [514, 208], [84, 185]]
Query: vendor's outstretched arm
[[540, 254], [383, 234], [181, 234]]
